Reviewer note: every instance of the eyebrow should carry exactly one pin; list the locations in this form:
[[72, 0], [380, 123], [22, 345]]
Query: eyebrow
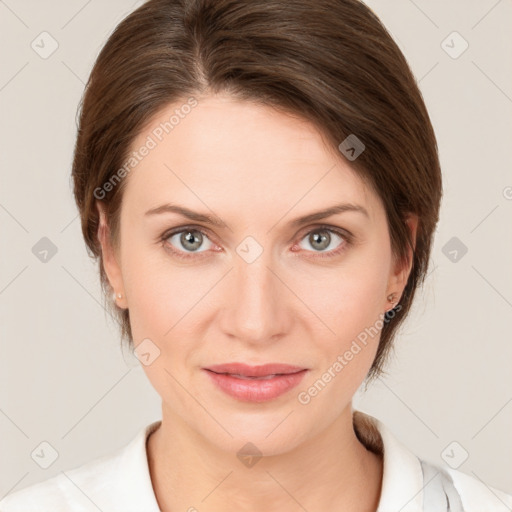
[[216, 221]]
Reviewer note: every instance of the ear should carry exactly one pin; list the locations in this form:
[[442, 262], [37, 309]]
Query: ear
[[109, 256], [402, 269]]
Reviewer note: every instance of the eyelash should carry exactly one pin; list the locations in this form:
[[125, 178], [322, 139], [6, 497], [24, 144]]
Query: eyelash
[[346, 236]]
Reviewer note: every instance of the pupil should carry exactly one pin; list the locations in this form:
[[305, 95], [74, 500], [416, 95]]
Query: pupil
[[190, 238], [321, 238]]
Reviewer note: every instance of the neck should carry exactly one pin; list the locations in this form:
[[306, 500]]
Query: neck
[[333, 471]]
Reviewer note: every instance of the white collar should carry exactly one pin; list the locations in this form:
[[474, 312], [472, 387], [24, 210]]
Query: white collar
[[126, 472], [402, 478], [402, 483]]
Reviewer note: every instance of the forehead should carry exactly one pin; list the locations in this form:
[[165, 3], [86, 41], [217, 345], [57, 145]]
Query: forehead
[[226, 149]]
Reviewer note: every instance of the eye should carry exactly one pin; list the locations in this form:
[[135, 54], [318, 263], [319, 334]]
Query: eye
[[323, 237], [186, 241]]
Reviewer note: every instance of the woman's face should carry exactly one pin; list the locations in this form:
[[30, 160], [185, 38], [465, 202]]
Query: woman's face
[[258, 287]]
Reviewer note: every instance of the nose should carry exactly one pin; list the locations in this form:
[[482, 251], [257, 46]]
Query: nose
[[254, 309]]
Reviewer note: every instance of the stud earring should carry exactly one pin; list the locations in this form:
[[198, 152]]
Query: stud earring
[[114, 296], [391, 298]]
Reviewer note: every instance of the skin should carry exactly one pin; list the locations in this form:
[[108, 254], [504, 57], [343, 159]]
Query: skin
[[257, 169]]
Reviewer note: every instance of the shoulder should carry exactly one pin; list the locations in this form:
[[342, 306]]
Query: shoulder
[[463, 492], [63, 492], [119, 481], [476, 495], [411, 484]]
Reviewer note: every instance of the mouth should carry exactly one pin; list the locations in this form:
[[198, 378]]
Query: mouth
[[250, 377], [255, 383], [245, 371]]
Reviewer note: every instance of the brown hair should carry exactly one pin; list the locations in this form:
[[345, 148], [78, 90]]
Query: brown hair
[[330, 62]]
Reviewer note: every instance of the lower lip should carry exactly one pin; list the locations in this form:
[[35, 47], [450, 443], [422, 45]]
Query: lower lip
[[256, 390]]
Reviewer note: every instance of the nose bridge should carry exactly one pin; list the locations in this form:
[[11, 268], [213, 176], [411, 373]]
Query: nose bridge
[[255, 307]]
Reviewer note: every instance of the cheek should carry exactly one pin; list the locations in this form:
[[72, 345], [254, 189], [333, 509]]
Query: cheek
[[162, 300], [159, 298], [157, 288], [349, 302], [346, 299], [351, 307]]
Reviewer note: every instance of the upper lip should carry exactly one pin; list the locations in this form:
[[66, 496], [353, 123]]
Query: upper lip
[[255, 371]]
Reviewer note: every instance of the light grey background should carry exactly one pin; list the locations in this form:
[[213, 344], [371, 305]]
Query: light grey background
[[64, 379]]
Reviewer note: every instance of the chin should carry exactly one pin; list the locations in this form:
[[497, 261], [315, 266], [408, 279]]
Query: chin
[[268, 431]]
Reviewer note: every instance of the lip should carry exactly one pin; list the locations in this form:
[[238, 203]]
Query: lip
[[261, 370], [255, 383]]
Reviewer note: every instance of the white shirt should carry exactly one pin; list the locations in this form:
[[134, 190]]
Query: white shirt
[[121, 482]]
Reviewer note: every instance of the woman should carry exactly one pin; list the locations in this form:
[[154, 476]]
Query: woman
[[260, 183]]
